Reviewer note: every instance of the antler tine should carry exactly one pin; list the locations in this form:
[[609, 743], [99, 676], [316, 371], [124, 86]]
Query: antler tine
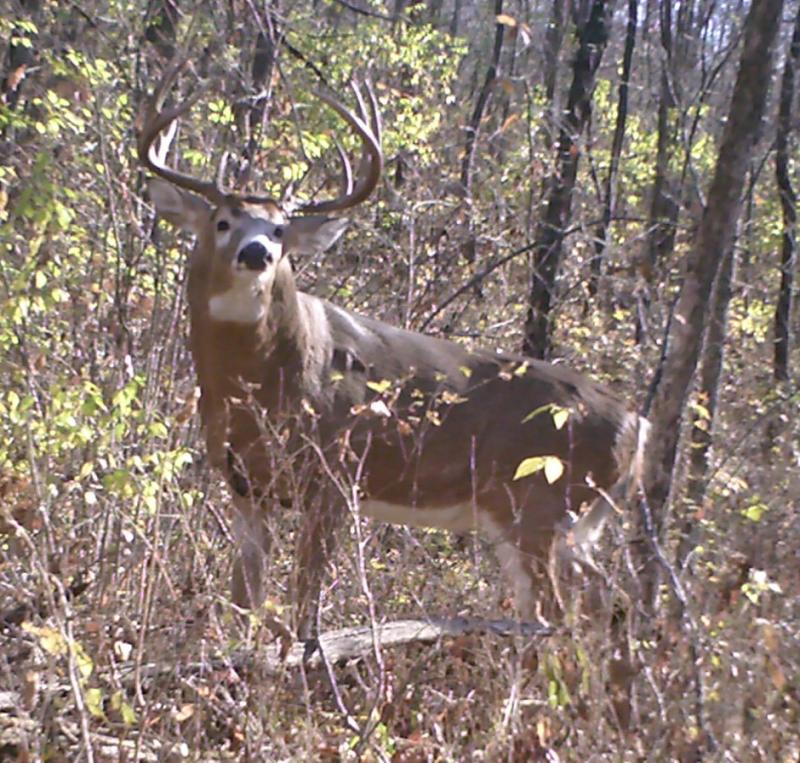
[[222, 168], [157, 120], [371, 115], [346, 185], [375, 112], [371, 165]]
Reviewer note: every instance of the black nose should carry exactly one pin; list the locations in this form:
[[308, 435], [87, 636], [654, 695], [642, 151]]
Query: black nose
[[255, 256]]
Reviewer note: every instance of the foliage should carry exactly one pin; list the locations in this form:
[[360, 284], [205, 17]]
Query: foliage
[[115, 626]]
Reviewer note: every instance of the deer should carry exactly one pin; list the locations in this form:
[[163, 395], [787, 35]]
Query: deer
[[310, 406]]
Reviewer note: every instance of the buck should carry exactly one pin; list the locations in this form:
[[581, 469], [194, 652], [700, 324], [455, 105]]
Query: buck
[[306, 403]]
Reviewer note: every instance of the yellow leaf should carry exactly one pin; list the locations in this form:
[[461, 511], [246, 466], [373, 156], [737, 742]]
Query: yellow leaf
[[126, 712], [560, 416], [451, 398], [82, 660], [553, 468], [379, 387], [94, 702], [529, 466], [49, 639], [433, 417]]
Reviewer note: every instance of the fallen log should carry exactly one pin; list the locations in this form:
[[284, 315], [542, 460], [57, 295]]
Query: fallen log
[[356, 642]]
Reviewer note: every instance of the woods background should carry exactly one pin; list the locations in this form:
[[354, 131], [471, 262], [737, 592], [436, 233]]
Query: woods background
[[608, 184]]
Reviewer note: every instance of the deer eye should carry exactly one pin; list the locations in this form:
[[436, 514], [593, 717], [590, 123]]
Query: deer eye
[[278, 232], [223, 225]]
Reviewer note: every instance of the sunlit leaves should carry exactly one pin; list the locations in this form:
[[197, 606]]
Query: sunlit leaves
[[552, 466]]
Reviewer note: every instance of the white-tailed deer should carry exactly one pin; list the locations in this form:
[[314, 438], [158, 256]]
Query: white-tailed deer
[[308, 403]]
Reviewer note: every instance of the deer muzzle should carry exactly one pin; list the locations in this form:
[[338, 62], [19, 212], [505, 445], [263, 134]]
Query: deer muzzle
[[254, 256]]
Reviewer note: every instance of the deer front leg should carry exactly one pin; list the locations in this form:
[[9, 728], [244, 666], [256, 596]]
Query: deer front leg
[[254, 542], [315, 545]]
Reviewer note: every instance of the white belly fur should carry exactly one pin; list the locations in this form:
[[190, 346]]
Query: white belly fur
[[460, 517]]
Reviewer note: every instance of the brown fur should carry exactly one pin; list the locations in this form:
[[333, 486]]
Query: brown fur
[[306, 403]]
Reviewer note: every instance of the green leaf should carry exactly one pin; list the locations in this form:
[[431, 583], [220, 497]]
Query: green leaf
[[82, 660], [755, 512], [552, 466], [127, 713], [529, 466], [94, 702], [533, 414]]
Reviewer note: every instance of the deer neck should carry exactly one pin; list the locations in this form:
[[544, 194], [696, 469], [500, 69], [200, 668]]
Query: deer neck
[[258, 335]]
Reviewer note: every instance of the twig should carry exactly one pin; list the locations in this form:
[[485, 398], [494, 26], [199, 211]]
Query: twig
[[366, 11]]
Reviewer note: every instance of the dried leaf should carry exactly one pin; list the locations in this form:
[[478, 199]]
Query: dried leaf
[[506, 20], [184, 713]]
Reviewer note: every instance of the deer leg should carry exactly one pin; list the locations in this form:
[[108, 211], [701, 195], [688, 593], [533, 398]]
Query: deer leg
[[315, 545], [254, 540], [524, 546]]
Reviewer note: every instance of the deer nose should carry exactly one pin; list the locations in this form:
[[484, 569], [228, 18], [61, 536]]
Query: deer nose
[[254, 256]]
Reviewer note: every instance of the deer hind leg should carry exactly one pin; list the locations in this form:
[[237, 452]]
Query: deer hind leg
[[524, 548], [316, 541], [254, 541]]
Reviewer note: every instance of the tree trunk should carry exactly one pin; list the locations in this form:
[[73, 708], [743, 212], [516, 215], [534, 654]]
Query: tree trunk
[[592, 33], [783, 309], [455, 18], [554, 37], [708, 394], [664, 206], [480, 104], [714, 238], [610, 190]]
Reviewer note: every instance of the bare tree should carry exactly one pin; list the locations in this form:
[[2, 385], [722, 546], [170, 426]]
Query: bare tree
[[483, 100], [788, 197], [714, 238], [591, 29], [704, 414], [610, 188]]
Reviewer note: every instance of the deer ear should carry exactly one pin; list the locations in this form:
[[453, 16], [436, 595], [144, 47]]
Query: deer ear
[[181, 208], [313, 233]]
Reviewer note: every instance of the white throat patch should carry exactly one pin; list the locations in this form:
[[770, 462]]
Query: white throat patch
[[244, 301]]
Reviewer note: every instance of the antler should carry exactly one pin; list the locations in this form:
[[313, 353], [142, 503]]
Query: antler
[[157, 120], [368, 128]]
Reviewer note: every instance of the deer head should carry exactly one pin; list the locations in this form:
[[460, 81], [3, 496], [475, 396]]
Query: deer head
[[243, 239]]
